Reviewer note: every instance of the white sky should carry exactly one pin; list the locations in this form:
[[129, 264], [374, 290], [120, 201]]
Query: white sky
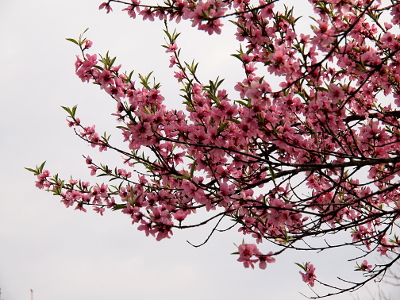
[[64, 254]]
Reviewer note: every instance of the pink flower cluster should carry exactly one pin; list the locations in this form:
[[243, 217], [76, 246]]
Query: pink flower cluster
[[205, 15], [309, 274], [249, 255]]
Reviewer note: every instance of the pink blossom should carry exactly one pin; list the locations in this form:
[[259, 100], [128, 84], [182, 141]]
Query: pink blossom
[[172, 61], [80, 207], [180, 215], [147, 228], [264, 259], [172, 47], [131, 8], [99, 210], [93, 170], [88, 44], [246, 253], [336, 93], [147, 13], [365, 266], [105, 78], [42, 181], [179, 75], [124, 173], [309, 275], [105, 5]]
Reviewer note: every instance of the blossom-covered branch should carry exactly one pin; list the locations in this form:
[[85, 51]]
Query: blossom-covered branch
[[314, 151]]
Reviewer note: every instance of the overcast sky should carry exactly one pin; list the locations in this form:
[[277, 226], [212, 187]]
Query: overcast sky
[[65, 254]]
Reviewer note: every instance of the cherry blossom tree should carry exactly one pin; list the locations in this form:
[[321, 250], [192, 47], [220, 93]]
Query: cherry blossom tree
[[310, 149]]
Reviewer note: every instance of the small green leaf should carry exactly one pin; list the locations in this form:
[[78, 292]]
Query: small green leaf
[[74, 110], [178, 176], [40, 169], [248, 105], [74, 41], [67, 109], [272, 173], [119, 206], [31, 170], [234, 121], [301, 266], [192, 168], [222, 127]]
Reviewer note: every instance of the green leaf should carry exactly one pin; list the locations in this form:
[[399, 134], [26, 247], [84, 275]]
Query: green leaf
[[144, 80], [192, 168], [246, 104], [31, 170], [167, 33], [222, 127], [322, 89], [40, 169], [178, 176], [72, 40], [301, 266], [112, 61], [234, 121], [272, 173], [129, 77], [67, 109], [119, 206], [98, 67], [238, 56], [74, 110]]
